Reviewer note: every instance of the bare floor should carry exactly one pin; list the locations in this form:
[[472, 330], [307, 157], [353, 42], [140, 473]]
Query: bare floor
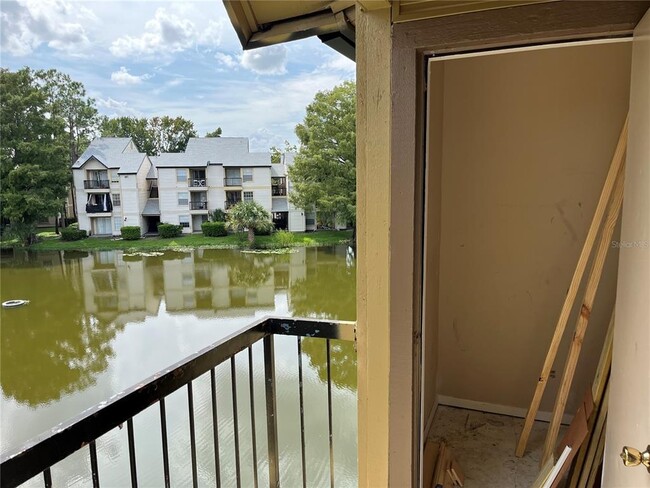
[[484, 446]]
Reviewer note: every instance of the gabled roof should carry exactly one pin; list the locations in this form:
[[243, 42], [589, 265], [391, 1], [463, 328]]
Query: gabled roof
[[129, 163], [151, 208], [178, 160], [104, 149], [201, 151]]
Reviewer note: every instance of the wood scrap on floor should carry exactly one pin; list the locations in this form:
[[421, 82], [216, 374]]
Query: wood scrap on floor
[[441, 469]]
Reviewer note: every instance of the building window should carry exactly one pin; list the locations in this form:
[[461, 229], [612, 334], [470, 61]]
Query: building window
[[184, 221], [116, 200], [181, 175], [248, 196], [247, 174], [117, 224], [182, 198]]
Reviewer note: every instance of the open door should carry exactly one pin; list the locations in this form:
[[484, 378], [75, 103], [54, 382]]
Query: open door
[[628, 422]]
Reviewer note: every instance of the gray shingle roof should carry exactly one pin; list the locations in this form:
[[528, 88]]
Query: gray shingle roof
[[152, 207], [104, 149], [151, 174], [129, 163], [178, 160]]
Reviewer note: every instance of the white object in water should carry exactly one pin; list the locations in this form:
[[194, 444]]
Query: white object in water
[[14, 303]]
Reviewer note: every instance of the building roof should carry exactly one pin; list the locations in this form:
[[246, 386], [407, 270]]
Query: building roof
[[151, 208], [201, 151], [279, 205], [105, 150], [129, 163], [151, 174], [178, 160]]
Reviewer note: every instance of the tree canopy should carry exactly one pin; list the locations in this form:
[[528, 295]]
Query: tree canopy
[[324, 171], [215, 133], [34, 152], [250, 216], [153, 135]]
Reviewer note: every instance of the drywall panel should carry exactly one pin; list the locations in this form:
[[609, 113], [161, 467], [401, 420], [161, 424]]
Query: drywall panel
[[527, 139]]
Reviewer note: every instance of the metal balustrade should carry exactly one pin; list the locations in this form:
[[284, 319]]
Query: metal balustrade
[[96, 184], [232, 181], [41, 454]]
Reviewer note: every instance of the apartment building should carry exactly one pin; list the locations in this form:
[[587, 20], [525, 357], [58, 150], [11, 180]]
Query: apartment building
[[110, 180], [180, 188]]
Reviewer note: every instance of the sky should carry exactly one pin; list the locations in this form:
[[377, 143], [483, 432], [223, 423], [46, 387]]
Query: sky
[[145, 58]]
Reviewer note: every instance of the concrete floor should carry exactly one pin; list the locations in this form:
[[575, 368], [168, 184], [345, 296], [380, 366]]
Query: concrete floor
[[484, 446]]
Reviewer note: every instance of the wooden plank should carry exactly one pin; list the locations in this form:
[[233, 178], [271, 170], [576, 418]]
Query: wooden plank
[[458, 472], [441, 466], [544, 473], [585, 311], [594, 440], [596, 466], [429, 460], [573, 438], [614, 170]]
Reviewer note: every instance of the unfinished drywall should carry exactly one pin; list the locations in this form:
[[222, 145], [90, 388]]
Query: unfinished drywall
[[526, 142]]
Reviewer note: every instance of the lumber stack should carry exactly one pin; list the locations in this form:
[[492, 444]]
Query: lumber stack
[[441, 470], [599, 238]]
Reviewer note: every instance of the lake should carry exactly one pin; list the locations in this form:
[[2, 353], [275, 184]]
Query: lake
[[99, 322]]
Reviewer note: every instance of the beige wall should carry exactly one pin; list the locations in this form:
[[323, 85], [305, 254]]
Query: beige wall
[[526, 142]]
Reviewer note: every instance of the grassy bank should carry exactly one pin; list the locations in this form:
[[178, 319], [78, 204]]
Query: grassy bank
[[302, 239]]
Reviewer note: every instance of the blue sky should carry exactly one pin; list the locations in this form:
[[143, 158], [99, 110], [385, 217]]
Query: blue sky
[[146, 58]]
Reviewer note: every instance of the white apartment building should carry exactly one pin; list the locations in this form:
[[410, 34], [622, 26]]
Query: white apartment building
[[110, 185], [179, 188]]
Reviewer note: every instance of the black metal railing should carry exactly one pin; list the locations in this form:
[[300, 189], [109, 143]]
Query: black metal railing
[[90, 208], [232, 182], [198, 205], [197, 182], [278, 191], [97, 184], [230, 203], [39, 455]]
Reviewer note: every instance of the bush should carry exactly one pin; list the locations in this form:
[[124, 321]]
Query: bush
[[69, 221], [131, 233], [218, 215], [167, 231], [264, 228], [214, 229], [74, 225], [283, 238], [72, 234]]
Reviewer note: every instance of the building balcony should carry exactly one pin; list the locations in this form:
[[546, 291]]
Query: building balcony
[[230, 203], [97, 185], [96, 209], [279, 191], [197, 183], [232, 182], [253, 344], [199, 206]]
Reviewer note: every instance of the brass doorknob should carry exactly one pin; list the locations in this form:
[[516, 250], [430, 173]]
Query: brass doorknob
[[634, 457]]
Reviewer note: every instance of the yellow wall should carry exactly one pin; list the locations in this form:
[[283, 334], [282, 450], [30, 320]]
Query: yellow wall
[[526, 141]]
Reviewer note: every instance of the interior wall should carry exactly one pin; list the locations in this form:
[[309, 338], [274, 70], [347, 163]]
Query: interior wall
[[526, 141]]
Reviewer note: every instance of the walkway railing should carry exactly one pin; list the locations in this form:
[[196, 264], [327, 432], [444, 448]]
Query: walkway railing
[[40, 454]]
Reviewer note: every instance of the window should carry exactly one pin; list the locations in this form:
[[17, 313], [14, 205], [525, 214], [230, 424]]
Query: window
[[248, 196], [181, 175], [116, 200], [117, 224], [247, 174], [182, 198], [184, 221]]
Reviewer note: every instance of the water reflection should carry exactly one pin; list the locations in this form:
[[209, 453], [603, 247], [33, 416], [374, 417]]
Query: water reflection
[[94, 317]]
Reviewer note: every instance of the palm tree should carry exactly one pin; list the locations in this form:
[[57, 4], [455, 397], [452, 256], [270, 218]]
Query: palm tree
[[250, 216]]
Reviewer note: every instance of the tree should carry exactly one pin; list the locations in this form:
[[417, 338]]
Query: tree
[[276, 152], [215, 133], [250, 216], [152, 136], [34, 158], [324, 170]]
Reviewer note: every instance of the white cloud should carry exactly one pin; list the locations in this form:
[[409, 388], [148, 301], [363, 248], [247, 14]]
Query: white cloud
[[338, 62], [123, 77], [168, 32], [227, 60], [270, 60], [26, 24], [115, 107]]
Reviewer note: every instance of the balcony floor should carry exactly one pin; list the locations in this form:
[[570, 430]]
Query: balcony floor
[[484, 446]]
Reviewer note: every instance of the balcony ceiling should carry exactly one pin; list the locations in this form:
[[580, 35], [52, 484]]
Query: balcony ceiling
[[262, 23]]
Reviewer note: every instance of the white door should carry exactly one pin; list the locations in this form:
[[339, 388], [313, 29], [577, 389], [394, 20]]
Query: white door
[[103, 226], [628, 421]]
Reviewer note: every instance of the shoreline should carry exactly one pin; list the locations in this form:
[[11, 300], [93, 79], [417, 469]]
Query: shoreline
[[193, 241]]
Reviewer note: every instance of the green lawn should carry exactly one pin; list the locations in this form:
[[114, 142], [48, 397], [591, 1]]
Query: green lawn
[[302, 239]]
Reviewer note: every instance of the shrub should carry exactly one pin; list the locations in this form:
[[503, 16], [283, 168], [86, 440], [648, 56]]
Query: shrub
[[69, 221], [218, 215], [283, 238], [74, 225], [131, 233], [72, 234], [167, 231], [214, 229], [264, 228]]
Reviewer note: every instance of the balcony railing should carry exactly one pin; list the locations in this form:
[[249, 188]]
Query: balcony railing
[[97, 184], [232, 182], [230, 203], [198, 205], [197, 183], [96, 208], [41, 454], [278, 191]]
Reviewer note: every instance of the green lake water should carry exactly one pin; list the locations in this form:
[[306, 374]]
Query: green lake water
[[99, 322]]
